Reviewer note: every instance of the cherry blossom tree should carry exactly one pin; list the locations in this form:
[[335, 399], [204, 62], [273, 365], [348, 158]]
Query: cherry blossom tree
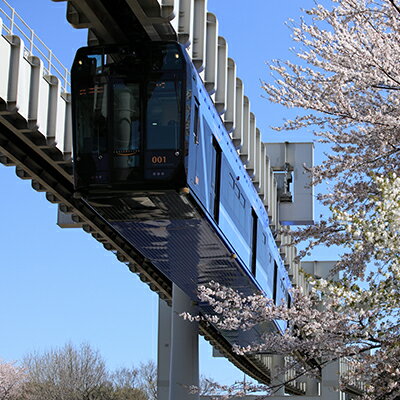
[[347, 86], [11, 381]]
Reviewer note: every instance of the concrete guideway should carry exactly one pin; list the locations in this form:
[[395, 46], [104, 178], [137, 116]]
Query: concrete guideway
[[36, 97]]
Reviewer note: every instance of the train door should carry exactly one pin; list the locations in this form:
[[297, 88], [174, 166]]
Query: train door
[[254, 242], [196, 141], [216, 179], [275, 287], [199, 156]]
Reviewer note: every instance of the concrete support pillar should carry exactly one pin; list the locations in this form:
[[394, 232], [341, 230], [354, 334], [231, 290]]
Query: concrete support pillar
[[164, 349], [330, 381], [312, 386], [278, 375], [184, 367]]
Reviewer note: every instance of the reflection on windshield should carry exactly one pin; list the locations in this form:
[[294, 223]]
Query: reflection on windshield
[[163, 115], [126, 133], [166, 58], [91, 119]]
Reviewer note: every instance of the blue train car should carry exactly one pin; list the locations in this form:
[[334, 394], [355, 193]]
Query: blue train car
[[153, 158]]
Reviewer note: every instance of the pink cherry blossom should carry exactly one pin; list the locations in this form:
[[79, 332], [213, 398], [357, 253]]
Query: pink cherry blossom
[[11, 381]]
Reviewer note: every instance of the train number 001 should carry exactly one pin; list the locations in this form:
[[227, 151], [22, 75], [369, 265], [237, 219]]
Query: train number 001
[[159, 159]]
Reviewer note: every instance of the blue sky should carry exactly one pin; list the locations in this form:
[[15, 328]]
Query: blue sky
[[61, 285]]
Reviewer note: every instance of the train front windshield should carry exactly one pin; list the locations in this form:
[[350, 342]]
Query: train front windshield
[[128, 115]]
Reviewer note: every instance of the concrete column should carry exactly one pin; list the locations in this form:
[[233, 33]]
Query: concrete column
[[184, 367], [330, 381], [164, 349], [277, 375], [312, 387]]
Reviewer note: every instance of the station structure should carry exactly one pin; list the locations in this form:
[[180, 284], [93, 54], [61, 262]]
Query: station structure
[[36, 138]]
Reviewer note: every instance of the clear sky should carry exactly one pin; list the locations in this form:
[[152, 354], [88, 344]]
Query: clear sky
[[61, 285]]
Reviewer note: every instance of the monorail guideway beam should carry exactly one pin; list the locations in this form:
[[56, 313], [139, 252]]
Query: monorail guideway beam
[[122, 21]]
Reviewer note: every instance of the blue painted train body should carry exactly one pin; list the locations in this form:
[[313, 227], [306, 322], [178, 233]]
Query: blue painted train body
[[240, 206], [198, 217]]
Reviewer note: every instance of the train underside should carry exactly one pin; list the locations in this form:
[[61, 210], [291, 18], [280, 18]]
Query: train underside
[[169, 229]]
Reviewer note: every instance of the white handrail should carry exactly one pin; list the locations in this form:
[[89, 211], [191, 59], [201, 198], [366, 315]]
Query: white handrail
[[13, 24]]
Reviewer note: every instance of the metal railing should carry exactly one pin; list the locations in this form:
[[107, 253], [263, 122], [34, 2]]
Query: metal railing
[[13, 24]]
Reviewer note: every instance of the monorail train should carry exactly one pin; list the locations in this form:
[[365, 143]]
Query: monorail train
[[153, 158]]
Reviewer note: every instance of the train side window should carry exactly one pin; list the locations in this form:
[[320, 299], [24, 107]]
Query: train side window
[[196, 123]]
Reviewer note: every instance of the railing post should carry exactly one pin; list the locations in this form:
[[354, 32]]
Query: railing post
[[12, 21], [31, 43], [65, 80], [49, 61]]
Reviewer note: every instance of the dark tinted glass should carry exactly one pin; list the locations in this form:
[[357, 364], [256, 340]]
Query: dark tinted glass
[[163, 115], [126, 124], [166, 57], [92, 119]]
